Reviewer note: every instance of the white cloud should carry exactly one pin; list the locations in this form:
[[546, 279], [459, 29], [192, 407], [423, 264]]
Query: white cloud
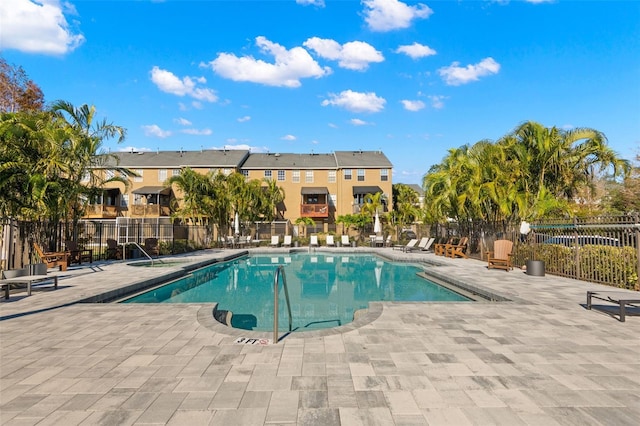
[[413, 105], [288, 138], [416, 50], [182, 121], [155, 131], [437, 101], [567, 127], [454, 75], [243, 119], [318, 3], [38, 27], [356, 101], [358, 122], [355, 55], [387, 15], [170, 83], [289, 67], [332, 125], [197, 132]]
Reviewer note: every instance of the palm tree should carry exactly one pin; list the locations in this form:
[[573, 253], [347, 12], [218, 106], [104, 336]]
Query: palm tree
[[196, 190]]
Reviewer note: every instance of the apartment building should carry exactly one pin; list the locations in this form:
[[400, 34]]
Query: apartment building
[[319, 186]]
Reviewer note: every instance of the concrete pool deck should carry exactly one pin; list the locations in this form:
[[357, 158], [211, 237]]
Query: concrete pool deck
[[539, 359]]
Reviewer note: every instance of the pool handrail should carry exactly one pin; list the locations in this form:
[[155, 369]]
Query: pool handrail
[[276, 287], [139, 248]]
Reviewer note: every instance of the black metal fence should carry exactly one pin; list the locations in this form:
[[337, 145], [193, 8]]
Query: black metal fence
[[603, 249]]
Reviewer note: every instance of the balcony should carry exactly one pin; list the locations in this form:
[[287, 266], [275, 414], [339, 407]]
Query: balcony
[[102, 211], [314, 210], [149, 210]]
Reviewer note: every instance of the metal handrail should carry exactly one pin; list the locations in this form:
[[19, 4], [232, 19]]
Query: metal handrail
[[276, 287], [124, 252]]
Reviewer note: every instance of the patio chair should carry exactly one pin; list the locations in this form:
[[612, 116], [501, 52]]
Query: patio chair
[[441, 248], [78, 255], [330, 242], [151, 246], [344, 241], [419, 247], [314, 241], [28, 275], [287, 241], [457, 250], [408, 247], [427, 246], [387, 242], [114, 251], [53, 259], [275, 241], [500, 257]]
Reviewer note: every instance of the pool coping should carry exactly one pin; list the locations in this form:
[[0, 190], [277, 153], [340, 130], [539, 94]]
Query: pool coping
[[206, 313]]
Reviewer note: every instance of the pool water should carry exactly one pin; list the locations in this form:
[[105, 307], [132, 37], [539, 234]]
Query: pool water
[[325, 290]]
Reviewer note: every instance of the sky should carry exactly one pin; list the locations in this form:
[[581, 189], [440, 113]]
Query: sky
[[412, 79]]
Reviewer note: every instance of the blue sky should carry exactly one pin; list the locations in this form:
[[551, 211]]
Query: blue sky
[[412, 79]]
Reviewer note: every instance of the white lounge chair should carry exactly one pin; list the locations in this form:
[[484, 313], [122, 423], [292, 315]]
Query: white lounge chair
[[409, 246], [314, 241], [345, 241], [275, 241], [330, 242], [428, 245], [287, 241]]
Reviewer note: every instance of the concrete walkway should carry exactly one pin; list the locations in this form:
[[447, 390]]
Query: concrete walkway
[[539, 359]]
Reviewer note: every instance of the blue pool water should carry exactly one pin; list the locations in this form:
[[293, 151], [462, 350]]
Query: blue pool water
[[324, 289]]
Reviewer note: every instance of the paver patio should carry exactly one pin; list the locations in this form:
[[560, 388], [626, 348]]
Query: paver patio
[[539, 359]]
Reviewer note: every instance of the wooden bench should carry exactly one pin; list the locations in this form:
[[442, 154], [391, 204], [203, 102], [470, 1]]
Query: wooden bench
[[619, 298], [23, 276]]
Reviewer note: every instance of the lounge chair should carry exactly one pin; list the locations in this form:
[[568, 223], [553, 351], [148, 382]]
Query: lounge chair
[[287, 241], [53, 259], [27, 275], [387, 242], [78, 255], [344, 241], [500, 257], [419, 247], [457, 250], [427, 246], [275, 241], [330, 242], [378, 241], [314, 241], [408, 247]]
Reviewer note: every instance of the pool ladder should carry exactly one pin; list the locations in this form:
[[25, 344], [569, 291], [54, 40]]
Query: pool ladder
[[276, 287]]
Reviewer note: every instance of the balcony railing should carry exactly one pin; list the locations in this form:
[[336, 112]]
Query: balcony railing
[[151, 210], [102, 211], [314, 210]]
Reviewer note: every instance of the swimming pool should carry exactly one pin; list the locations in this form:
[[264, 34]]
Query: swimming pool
[[325, 289]]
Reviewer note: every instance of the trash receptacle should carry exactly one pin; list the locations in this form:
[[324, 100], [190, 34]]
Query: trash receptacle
[[535, 268]]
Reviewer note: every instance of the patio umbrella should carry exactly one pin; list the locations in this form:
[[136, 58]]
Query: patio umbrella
[[377, 228], [237, 224]]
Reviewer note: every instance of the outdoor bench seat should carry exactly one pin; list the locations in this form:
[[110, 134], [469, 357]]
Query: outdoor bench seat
[[23, 277], [619, 298]]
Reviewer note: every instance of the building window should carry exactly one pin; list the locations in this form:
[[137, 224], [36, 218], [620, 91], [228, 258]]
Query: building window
[[333, 199], [360, 175], [245, 173], [227, 172], [162, 175], [267, 174], [295, 176], [332, 176], [86, 176], [281, 175], [308, 176], [347, 174], [109, 174], [175, 172], [140, 174], [124, 200], [384, 175]]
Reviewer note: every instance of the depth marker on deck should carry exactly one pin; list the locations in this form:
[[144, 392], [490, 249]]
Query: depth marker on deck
[[248, 341]]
